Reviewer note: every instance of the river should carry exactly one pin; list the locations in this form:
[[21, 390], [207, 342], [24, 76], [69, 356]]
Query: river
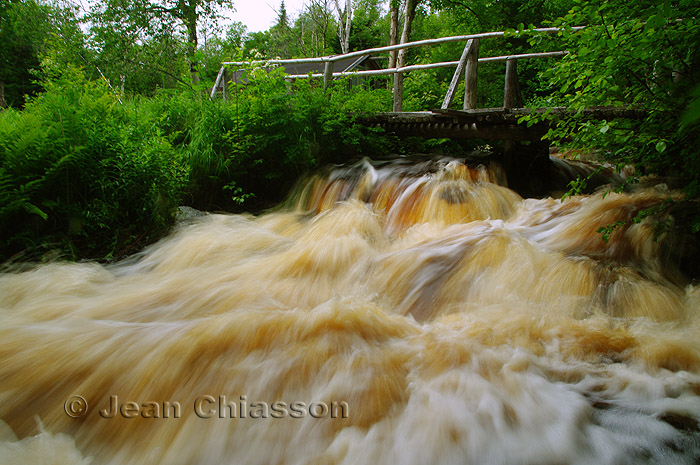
[[388, 313]]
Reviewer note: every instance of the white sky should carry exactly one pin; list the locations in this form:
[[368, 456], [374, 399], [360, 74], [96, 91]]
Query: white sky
[[260, 15]]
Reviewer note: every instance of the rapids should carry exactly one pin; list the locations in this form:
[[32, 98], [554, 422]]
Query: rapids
[[389, 313]]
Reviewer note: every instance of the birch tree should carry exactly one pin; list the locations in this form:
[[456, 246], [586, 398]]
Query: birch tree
[[344, 24], [393, 29], [409, 16]]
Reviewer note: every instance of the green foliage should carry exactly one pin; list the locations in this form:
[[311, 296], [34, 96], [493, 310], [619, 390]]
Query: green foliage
[[366, 27], [29, 32], [282, 130], [691, 115], [658, 212], [426, 89], [257, 45], [217, 50], [83, 175], [636, 55], [247, 151], [486, 15], [606, 231], [123, 26]]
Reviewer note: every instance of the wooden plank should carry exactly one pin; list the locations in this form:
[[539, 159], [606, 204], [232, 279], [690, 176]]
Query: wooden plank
[[591, 113], [379, 72], [452, 89], [466, 131], [491, 115], [297, 61], [473, 112], [494, 116], [471, 77]]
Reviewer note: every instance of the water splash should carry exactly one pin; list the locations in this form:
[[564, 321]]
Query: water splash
[[459, 323]]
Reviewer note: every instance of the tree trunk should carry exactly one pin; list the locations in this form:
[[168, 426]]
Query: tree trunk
[[344, 30], [407, 23], [3, 104], [348, 24], [190, 18], [393, 30], [401, 57]]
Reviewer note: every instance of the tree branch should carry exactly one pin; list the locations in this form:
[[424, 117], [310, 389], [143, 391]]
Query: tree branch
[[468, 8]]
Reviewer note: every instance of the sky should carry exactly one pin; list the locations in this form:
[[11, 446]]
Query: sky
[[260, 15]]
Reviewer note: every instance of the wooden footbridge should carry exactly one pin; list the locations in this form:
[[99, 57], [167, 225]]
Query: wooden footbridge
[[469, 122], [487, 123]]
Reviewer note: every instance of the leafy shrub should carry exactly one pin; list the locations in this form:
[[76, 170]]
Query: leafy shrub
[[83, 175], [255, 145]]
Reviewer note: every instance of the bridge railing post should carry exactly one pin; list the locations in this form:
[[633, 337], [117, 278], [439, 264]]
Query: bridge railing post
[[224, 85], [511, 91], [327, 74], [470, 76], [398, 92], [217, 83], [452, 89]]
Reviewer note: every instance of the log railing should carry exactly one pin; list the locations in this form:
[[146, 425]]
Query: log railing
[[467, 66]]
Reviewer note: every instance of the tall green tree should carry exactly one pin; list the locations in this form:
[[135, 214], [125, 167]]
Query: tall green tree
[[218, 49], [31, 31], [258, 44], [366, 25], [486, 15], [315, 27], [126, 22], [281, 37]]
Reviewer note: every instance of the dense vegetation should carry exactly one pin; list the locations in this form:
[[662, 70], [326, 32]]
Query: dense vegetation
[[85, 174], [646, 57], [106, 125]]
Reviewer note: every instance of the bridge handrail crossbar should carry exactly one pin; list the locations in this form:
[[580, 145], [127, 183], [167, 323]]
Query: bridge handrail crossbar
[[390, 48], [443, 64]]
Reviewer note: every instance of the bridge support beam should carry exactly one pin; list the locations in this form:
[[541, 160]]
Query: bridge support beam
[[220, 84], [528, 167]]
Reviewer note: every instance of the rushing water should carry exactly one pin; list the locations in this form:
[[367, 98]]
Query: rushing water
[[397, 313]]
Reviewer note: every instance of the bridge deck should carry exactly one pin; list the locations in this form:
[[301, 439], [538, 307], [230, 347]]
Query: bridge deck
[[486, 123]]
